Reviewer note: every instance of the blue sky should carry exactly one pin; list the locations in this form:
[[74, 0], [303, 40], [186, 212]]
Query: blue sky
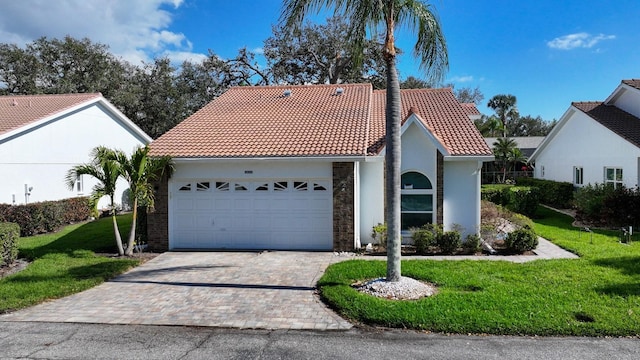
[[545, 52]]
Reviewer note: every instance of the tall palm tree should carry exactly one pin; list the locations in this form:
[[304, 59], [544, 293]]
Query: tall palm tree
[[430, 48], [140, 171], [503, 149], [506, 110], [104, 169]]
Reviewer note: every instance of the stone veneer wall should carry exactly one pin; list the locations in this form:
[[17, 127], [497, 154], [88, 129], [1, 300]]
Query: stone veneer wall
[[158, 219], [343, 206], [439, 188]]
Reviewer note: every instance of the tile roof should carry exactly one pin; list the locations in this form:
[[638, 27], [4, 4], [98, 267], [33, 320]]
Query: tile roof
[[314, 120], [471, 108], [440, 112], [619, 121], [633, 83], [17, 111]]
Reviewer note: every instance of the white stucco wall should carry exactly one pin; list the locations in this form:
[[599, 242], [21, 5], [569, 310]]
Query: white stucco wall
[[629, 101], [419, 154], [583, 142], [371, 198], [462, 196], [41, 157]]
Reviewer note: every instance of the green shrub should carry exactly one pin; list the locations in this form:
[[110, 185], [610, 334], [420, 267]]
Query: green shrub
[[589, 200], [48, 216], [552, 193], [472, 243], [9, 234], [497, 194], [521, 240], [425, 237], [621, 207], [379, 233], [524, 200], [448, 241]]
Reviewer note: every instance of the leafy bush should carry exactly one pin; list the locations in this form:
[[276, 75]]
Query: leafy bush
[[379, 233], [521, 240], [48, 216], [601, 204], [425, 237], [552, 193], [448, 241], [497, 194], [9, 234], [472, 243], [524, 200]]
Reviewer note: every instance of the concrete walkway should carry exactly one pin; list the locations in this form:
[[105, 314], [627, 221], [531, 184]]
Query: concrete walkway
[[268, 290]]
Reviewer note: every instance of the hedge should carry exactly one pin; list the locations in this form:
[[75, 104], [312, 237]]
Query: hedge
[[48, 216], [520, 199], [552, 193], [9, 234]]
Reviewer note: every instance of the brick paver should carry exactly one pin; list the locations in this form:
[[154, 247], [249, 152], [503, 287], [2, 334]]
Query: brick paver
[[267, 290]]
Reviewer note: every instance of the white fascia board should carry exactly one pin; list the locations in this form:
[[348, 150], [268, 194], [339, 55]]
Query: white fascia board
[[481, 158], [563, 120], [413, 119], [250, 159], [62, 114], [130, 124], [619, 91]]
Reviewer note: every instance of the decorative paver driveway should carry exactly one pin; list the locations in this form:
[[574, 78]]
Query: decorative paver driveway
[[268, 290]]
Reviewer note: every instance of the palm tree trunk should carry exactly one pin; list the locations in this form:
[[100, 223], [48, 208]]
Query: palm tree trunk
[[392, 168], [116, 230], [132, 233]]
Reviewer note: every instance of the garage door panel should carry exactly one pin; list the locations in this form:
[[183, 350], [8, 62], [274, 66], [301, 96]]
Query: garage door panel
[[204, 204], [253, 215]]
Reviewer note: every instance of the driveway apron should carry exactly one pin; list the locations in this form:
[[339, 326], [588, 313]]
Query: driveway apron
[[267, 290]]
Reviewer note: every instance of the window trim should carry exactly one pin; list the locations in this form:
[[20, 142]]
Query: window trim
[[578, 179], [413, 191], [614, 182]]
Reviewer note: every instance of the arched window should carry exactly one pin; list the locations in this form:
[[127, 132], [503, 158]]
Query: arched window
[[416, 200]]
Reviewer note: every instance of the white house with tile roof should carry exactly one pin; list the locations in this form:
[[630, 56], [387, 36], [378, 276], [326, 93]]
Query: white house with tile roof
[[595, 142], [43, 136], [302, 167]]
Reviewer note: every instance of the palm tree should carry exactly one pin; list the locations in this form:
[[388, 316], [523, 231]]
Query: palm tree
[[104, 169], [502, 149], [140, 171], [516, 156], [430, 48], [505, 108]]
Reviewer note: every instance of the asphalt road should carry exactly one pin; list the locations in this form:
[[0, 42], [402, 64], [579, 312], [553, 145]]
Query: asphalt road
[[23, 340]]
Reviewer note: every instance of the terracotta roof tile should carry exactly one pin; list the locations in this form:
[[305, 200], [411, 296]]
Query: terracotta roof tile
[[619, 121], [471, 108], [17, 111], [440, 112], [633, 83], [314, 120]]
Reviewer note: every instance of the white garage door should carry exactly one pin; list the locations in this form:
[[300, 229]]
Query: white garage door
[[282, 214]]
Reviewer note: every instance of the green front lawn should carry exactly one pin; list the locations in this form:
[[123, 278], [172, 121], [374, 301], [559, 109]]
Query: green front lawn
[[64, 263], [596, 295]]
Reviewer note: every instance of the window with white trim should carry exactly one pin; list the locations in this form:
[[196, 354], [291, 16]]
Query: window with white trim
[[613, 176], [578, 178], [79, 186], [416, 200]]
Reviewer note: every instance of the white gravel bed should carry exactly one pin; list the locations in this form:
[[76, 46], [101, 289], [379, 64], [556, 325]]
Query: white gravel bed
[[405, 289]]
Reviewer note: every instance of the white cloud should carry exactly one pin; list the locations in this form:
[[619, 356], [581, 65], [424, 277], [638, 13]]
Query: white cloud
[[258, 50], [461, 79], [578, 40], [134, 30]]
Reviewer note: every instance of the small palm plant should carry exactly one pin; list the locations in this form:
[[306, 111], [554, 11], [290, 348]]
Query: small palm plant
[[104, 169]]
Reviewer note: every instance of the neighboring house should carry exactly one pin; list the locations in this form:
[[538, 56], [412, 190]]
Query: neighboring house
[[302, 167], [595, 142], [526, 144], [43, 136], [491, 173]]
